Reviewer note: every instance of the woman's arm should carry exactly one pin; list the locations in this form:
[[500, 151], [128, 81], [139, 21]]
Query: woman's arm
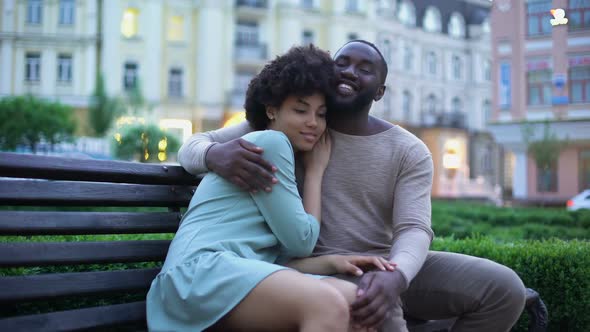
[[340, 264], [315, 162]]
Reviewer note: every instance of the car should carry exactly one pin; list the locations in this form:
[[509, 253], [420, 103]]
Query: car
[[580, 201]]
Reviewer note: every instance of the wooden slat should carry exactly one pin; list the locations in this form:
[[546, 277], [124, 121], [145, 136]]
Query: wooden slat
[[70, 253], [74, 223], [46, 286], [67, 193], [59, 168], [80, 319]]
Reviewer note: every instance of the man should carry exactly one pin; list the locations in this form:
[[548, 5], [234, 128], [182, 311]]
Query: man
[[376, 200]]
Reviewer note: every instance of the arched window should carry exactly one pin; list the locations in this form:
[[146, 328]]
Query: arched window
[[407, 105], [431, 63], [431, 104], [456, 26], [407, 13], [432, 20], [456, 105]]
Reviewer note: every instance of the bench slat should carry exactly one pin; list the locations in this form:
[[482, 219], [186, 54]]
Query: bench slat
[[59, 168], [46, 286], [74, 223], [69, 253], [79, 319], [66, 193]]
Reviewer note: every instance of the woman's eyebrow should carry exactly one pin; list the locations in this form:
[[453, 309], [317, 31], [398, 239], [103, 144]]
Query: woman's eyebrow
[[302, 102]]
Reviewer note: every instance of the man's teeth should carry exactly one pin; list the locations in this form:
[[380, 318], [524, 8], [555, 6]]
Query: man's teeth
[[345, 87]]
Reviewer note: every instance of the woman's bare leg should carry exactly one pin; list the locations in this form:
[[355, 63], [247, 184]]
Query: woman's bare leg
[[348, 290], [289, 301]]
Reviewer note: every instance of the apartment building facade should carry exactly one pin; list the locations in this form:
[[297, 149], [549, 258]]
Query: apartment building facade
[[541, 52]]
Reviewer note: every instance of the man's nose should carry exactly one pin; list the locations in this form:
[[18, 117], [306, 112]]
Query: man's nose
[[349, 72]]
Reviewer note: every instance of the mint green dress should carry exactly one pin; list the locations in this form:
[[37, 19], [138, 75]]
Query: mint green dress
[[228, 242]]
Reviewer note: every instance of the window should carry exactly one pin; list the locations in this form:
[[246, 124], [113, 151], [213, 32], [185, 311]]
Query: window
[[407, 105], [456, 105], [407, 13], [456, 26], [431, 63], [64, 68], [487, 70], [584, 169], [387, 105], [352, 6], [353, 36], [578, 14], [130, 23], [67, 12], [547, 178], [34, 11], [538, 17], [432, 20], [307, 4], [247, 33], [457, 67], [386, 50], [408, 58], [175, 82], [539, 86], [579, 84], [431, 104], [130, 76], [307, 37], [505, 86], [33, 67], [176, 28]]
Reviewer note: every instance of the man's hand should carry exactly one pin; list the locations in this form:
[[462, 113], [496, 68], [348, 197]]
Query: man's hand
[[377, 295], [241, 163]]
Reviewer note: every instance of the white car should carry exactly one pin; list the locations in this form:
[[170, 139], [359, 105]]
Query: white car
[[580, 201]]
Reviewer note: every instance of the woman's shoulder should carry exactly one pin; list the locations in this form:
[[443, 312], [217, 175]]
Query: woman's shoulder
[[269, 140]]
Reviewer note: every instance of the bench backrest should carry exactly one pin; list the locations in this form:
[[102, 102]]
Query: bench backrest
[[48, 205]]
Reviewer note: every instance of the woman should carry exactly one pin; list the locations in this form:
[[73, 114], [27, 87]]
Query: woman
[[220, 272]]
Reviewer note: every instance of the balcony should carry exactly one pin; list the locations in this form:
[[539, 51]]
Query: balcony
[[251, 9], [250, 54], [444, 119]]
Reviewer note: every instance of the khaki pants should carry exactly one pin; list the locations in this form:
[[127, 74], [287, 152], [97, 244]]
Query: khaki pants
[[484, 295]]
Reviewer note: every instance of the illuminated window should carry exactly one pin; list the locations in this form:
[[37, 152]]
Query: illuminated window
[[432, 20], [578, 14], [34, 11], [130, 22], [67, 11], [407, 13], [539, 17], [456, 26], [176, 28], [579, 84], [64, 68], [539, 85]]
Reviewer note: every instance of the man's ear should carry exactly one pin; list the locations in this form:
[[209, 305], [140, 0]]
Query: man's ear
[[271, 112], [380, 93]]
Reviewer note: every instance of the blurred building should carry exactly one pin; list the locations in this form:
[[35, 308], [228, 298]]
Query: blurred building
[[192, 61], [541, 52]]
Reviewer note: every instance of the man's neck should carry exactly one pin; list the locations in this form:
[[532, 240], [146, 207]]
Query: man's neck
[[358, 124]]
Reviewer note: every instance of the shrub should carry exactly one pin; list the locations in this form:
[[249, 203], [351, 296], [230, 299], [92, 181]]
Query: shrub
[[558, 270]]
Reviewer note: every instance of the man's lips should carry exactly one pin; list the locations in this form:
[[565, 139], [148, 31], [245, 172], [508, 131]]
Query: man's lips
[[346, 88]]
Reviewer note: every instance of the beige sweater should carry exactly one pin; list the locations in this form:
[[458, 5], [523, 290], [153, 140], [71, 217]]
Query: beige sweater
[[375, 193]]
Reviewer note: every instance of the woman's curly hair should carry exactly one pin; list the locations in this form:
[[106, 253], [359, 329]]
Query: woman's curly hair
[[302, 71]]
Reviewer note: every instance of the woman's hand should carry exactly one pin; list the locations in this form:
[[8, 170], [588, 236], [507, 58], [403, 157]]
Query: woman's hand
[[317, 158], [357, 265]]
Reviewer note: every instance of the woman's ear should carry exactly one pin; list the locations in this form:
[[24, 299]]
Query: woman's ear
[[271, 112]]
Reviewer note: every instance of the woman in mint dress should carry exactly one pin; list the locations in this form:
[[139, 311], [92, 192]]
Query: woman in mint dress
[[220, 272]]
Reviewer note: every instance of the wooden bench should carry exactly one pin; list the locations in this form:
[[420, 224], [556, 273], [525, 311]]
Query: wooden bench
[[98, 284]]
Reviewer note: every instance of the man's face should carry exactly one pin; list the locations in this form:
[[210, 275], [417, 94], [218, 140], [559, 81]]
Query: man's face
[[359, 78]]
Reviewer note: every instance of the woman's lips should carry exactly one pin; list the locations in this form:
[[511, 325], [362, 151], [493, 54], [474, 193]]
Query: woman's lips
[[309, 137]]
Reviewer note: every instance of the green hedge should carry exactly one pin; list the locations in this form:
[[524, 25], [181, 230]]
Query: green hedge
[[558, 270]]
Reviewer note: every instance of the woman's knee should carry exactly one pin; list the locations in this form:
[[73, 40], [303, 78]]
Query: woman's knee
[[328, 302]]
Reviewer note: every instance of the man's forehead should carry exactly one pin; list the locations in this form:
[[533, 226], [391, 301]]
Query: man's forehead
[[358, 49]]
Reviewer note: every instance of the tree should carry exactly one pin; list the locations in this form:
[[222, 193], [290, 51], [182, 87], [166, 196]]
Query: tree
[[545, 151], [148, 143], [103, 110], [26, 120]]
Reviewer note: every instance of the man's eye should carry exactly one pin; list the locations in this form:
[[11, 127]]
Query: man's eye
[[365, 70]]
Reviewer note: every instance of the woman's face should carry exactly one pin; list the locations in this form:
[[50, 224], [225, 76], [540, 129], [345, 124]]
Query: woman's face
[[302, 119]]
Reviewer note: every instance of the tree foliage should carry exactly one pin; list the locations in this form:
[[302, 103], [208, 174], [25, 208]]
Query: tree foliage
[[103, 110], [146, 143], [26, 120]]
